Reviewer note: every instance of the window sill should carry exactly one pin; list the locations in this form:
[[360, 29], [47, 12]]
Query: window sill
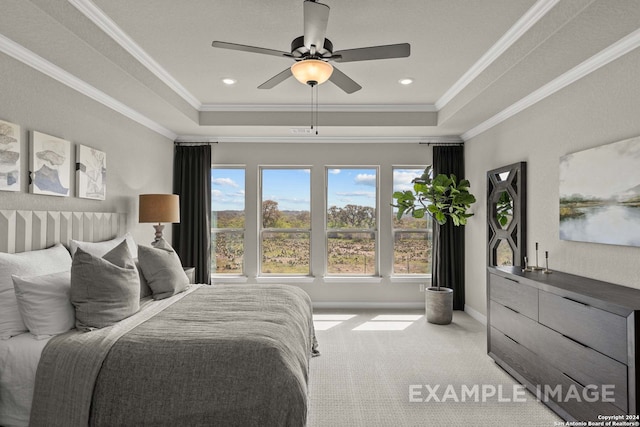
[[352, 279], [285, 279], [426, 279], [228, 279]]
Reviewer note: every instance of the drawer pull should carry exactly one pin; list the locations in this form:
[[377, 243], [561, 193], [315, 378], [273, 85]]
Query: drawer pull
[[510, 279], [576, 301], [514, 310], [575, 341], [573, 379], [511, 339]]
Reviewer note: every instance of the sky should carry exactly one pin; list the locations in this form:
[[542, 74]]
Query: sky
[[291, 187]]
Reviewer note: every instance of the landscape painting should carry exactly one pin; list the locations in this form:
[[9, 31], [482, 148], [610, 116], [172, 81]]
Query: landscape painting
[[91, 173], [9, 156], [600, 194], [49, 165]]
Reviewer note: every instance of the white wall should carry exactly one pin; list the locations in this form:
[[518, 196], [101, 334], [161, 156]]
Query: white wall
[[601, 108], [345, 293], [137, 158]]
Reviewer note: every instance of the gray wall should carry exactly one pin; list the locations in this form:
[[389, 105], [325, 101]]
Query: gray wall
[[601, 108], [137, 158], [345, 292]]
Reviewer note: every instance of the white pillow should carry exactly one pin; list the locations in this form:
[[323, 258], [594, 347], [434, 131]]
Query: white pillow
[[99, 249], [33, 263], [45, 303]]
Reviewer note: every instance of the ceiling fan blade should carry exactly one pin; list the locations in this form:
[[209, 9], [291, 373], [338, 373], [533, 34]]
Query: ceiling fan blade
[[253, 49], [343, 81], [401, 50], [276, 80], [316, 17]]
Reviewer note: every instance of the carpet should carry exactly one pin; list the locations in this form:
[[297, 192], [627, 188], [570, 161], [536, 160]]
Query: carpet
[[393, 368]]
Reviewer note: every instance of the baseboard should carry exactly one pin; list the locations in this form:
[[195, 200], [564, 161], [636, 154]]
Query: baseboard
[[475, 314], [347, 305]]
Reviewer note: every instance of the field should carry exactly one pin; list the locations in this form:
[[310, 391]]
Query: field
[[283, 252]]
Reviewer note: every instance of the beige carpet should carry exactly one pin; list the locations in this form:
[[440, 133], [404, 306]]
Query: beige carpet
[[370, 360]]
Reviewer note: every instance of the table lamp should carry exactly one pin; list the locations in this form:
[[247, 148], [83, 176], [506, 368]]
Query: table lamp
[[159, 208]]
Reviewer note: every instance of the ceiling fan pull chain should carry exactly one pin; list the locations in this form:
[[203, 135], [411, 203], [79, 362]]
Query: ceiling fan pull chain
[[312, 107], [317, 90]]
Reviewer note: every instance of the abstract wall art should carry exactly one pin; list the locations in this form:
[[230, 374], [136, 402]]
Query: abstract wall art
[[10, 146], [91, 173], [600, 194], [49, 165]]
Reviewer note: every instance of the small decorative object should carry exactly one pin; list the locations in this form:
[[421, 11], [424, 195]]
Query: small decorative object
[[546, 263], [159, 208], [537, 267], [49, 165], [526, 265], [9, 156], [91, 173], [600, 194]]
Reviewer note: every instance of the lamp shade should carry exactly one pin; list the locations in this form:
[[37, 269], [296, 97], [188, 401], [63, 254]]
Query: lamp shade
[[312, 71], [159, 208]]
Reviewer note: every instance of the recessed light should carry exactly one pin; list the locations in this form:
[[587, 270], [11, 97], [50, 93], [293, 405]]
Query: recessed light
[[228, 81], [406, 81]]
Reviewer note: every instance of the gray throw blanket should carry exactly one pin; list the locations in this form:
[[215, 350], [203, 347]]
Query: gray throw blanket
[[222, 355]]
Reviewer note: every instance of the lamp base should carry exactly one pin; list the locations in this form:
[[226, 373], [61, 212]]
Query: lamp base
[[159, 228]]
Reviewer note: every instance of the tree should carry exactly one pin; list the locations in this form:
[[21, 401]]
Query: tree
[[270, 213]]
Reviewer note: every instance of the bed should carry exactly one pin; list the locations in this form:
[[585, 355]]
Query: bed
[[207, 355]]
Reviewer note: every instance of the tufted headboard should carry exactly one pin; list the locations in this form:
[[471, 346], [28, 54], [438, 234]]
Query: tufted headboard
[[22, 231]]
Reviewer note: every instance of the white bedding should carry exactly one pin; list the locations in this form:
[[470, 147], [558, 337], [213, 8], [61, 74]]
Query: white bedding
[[19, 357]]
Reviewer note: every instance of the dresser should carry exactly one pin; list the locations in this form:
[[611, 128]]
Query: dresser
[[572, 341]]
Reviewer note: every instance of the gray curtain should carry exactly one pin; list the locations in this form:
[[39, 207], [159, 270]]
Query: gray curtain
[[192, 182], [448, 240]]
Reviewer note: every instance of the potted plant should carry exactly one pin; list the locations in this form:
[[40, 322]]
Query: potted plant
[[442, 198]]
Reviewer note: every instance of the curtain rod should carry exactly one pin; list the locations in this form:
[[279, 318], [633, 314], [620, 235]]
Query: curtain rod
[[461, 144], [194, 143]]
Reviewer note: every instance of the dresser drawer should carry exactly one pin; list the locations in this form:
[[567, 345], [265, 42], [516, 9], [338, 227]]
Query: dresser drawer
[[517, 296], [517, 358], [603, 331], [516, 326], [583, 364]]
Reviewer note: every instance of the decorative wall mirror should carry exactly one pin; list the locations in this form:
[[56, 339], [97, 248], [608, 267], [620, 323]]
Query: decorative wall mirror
[[506, 215]]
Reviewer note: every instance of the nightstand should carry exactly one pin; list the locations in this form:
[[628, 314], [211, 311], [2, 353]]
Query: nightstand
[[191, 273]]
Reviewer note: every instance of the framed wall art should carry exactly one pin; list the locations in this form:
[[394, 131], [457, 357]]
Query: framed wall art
[[91, 173], [10, 147], [49, 165], [600, 194]]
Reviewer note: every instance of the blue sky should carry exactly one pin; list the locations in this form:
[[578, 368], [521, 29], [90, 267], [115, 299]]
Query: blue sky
[[291, 187]]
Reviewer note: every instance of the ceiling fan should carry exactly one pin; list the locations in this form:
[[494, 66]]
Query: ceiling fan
[[312, 53]]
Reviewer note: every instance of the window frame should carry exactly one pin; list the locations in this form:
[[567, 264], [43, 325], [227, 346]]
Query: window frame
[[242, 231], [375, 230], [262, 230]]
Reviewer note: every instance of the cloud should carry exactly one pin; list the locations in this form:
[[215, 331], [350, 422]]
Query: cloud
[[402, 179], [369, 194], [216, 193], [224, 182], [365, 179], [334, 171]]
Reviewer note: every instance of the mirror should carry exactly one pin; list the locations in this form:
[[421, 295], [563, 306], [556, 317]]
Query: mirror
[[504, 253], [506, 215], [504, 210]]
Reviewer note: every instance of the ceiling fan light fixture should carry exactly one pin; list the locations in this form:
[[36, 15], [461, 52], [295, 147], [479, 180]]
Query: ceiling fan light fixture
[[228, 81], [312, 71], [406, 81]]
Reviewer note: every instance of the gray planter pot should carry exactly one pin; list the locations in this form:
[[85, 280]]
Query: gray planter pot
[[439, 305]]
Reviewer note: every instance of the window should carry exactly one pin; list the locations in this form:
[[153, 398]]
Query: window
[[411, 236], [351, 221], [285, 232], [227, 220]]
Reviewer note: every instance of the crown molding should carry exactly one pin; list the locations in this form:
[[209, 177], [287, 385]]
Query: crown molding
[[322, 139], [602, 58], [528, 20], [40, 64], [106, 24], [338, 108]]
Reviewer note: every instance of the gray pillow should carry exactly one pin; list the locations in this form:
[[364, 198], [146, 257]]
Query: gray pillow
[[145, 290], [104, 290], [163, 270]]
